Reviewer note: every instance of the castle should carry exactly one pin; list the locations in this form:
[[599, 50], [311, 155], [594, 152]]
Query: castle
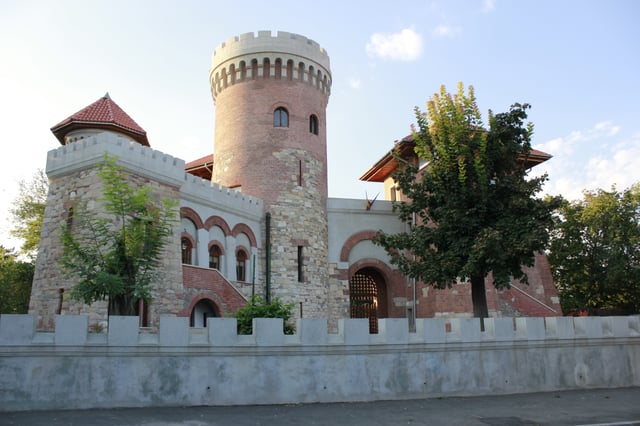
[[255, 217]]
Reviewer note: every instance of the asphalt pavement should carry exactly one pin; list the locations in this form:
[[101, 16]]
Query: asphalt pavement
[[618, 407]]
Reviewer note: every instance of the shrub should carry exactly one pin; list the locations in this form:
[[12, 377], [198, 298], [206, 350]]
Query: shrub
[[257, 308]]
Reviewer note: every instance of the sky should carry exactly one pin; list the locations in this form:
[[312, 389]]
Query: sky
[[577, 63]]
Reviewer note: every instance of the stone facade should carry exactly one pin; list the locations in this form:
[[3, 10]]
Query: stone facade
[[261, 222]]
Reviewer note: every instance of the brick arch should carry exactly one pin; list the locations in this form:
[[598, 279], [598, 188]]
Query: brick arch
[[351, 242], [189, 213], [243, 228], [381, 275], [219, 222], [189, 237], [218, 244], [196, 299]]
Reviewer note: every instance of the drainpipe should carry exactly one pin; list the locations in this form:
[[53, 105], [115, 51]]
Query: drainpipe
[[267, 222], [414, 307]]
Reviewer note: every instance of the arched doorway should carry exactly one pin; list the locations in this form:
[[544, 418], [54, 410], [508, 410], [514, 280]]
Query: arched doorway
[[202, 310], [368, 296]]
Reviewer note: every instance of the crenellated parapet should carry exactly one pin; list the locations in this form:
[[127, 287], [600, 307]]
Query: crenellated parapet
[[206, 193], [182, 366], [20, 330], [138, 159], [284, 56]]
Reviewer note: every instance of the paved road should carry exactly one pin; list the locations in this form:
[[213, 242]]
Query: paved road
[[585, 407]]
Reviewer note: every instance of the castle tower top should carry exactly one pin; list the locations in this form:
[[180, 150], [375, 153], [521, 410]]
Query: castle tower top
[[285, 56]]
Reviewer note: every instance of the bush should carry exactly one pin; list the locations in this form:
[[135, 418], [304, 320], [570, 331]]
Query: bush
[[257, 308]]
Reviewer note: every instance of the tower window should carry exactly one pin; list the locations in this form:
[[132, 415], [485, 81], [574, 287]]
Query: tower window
[[241, 265], [280, 118], [214, 257], [313, 124]]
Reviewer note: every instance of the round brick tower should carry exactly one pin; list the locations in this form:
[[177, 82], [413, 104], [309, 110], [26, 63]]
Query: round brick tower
[[270, 94]]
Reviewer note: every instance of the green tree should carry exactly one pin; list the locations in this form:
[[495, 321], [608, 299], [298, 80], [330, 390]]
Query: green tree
[[114, 247], [472, 210], [258, 308], [28, 211], [595, 251], [15, 283]]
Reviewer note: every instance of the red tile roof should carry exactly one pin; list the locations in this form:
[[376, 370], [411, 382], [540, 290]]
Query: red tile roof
[[102, 114], [405, 148], [202, 167]]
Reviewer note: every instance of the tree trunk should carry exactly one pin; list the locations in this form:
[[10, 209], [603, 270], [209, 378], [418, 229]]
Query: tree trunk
[[122, 305], [479, 299]]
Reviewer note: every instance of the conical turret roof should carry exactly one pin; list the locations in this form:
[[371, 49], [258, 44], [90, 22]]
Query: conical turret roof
[[102, 114]]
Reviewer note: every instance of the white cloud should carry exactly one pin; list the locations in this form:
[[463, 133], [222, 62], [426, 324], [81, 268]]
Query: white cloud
[[403, 46], [488, 5], [617, 167], [590, 159], [354, 83], [446, 31]]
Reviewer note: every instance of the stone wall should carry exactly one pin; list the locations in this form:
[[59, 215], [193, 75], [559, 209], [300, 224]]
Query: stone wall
[[73, 175], [181, 366]]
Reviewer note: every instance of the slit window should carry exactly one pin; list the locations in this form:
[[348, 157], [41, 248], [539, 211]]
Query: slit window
[[300, 264], [313, 124]]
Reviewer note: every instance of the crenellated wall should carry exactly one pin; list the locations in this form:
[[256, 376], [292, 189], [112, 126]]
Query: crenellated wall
[[285, 56], [182, 366]]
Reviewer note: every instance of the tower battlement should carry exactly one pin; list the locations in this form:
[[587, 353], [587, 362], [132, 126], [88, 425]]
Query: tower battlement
[[285, 56], [143, 160]]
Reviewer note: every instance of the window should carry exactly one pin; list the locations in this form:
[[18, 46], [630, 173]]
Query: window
[[241, 265], [214, 257], [186, 248], [142, 311], [313, 124], [70, 218], [280, 118], [300, 264]]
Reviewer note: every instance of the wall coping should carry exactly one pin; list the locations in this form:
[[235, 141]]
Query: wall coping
[[72, 330]]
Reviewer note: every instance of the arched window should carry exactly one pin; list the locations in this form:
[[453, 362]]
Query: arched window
[[313, 124], [214, 257], [241, 265], [186, 248], [280, 118]]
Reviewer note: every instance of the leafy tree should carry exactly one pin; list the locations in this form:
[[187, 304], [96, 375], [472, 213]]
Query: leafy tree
[[258, 308], [595, 251], [472, 210], [28, 212], [114, 247], [15, 283]]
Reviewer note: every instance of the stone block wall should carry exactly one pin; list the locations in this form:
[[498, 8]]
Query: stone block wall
[[181, 366]]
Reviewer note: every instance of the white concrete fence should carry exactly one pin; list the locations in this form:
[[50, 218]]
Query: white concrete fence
[[182, 366]]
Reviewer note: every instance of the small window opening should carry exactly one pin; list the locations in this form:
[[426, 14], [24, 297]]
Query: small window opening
[[299, 172], [142, 311], [70, 218], [280, 118], [214, 257], [241, 265], [186, 248], [300, 264], [313, 124]]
